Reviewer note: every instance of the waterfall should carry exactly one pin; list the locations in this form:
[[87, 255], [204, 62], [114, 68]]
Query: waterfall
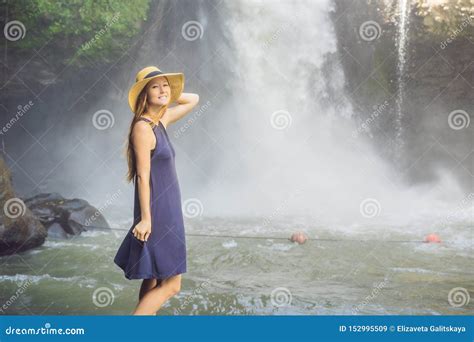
[[290, 150], [402, 42], [296, 153], [274, 132]]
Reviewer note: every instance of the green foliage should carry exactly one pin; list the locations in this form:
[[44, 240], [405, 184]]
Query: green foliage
[[98, 29], [448, 17]]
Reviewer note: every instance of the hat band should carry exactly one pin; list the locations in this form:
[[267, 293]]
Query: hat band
[[153, 73]]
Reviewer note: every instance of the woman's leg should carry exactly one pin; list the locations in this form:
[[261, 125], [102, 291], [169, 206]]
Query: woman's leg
[[147, 285], [152, 300]]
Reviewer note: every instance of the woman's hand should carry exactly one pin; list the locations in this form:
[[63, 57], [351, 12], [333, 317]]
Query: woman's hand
[[142, 230], [185, 103]]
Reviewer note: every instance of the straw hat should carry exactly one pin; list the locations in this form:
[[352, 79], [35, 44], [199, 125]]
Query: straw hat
[[176, 81]]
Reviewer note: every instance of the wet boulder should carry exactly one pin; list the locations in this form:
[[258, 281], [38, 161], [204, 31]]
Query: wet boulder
[[20, 229], [64, 218]]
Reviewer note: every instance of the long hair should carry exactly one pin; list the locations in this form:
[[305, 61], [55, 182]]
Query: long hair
[[140, 108]]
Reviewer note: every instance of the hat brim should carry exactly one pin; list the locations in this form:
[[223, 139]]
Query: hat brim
[[176, 81]]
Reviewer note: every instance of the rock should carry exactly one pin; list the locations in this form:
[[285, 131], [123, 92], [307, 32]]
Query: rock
[[26, 224], [23, 234], [62, 217], [20, 230], [57, 231]]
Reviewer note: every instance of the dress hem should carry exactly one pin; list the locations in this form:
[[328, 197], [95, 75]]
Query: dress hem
[[148, 275], [152, 276]]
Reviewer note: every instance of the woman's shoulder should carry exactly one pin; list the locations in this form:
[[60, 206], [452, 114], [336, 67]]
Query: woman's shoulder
[[142, 128], [143, 123], [142, 134]]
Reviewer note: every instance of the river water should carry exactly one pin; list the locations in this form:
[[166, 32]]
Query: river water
[[339, 274]]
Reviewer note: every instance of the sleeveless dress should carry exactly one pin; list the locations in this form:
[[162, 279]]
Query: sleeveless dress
[[164, 254]]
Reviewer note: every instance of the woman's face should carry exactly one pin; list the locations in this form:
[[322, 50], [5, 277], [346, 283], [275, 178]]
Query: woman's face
[[158, 91]]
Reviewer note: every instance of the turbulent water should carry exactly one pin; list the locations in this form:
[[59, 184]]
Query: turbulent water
[[228, 276]]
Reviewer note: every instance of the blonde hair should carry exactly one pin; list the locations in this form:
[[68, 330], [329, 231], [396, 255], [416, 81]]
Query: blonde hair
[[141, 107]]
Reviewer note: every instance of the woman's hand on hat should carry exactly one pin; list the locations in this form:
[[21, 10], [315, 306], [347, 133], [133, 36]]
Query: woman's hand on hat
[[185, 103]]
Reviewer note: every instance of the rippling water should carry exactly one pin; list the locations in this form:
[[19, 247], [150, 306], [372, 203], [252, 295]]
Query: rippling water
[[228, 276]]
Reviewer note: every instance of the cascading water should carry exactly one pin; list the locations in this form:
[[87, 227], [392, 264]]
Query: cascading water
[[402, 43], [295, 125]]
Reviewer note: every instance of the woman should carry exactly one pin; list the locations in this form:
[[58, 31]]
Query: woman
[[154, 248]]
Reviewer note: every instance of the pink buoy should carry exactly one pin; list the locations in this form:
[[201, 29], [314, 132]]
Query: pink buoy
[[432, 238], [299, 237]]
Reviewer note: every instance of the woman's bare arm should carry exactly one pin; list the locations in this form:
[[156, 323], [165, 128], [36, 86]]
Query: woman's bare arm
[[143, 140], [185, 103]]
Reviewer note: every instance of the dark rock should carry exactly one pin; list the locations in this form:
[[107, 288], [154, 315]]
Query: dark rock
[[62, 217], [20, 230], [56, 231], [22, 234]]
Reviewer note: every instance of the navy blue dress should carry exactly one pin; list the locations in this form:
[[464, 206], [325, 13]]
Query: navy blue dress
[[164, 254]]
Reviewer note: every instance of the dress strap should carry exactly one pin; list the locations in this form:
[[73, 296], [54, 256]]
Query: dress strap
[[152, 124]]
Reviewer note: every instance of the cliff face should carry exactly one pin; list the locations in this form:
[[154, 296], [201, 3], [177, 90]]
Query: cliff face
[[438, 80], [20, 230]]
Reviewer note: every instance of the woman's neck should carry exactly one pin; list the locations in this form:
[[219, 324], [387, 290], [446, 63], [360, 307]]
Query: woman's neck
[[154, 113]]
